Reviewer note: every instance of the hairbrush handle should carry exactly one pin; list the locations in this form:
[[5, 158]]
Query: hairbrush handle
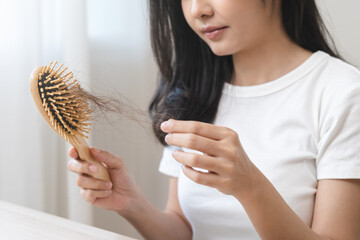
[[85, 154]]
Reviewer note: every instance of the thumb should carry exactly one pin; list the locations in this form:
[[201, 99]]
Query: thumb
[[111, 161]]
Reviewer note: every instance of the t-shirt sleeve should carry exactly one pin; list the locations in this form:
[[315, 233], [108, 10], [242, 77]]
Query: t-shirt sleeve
[[168, 165], [339, 144]]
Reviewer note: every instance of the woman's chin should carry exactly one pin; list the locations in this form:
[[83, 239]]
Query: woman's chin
[[221, 53], [218, 51]]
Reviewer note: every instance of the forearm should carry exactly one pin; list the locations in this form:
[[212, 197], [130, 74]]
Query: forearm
[[152, 223], [271, 215]]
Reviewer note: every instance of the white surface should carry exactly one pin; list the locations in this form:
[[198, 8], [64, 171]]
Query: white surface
[[19, 223]]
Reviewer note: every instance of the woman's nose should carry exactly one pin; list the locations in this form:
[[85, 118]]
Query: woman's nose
[[201, 8]]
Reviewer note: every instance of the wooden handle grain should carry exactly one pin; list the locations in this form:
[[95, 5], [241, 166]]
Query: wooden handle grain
[[85, 154]]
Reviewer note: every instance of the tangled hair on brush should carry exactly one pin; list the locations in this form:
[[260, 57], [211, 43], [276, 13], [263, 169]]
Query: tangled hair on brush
[[101, 106], [108, 104]]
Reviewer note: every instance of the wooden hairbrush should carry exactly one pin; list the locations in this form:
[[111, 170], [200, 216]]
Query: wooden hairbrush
[[56, 95]]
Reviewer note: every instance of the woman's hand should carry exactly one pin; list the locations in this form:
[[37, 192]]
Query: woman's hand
[[120, 196], [230, 169]]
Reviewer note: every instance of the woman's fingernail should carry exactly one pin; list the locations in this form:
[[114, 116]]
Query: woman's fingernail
[[167, 136], [96, 150], [165, 124], [93, 168], [108, 191]]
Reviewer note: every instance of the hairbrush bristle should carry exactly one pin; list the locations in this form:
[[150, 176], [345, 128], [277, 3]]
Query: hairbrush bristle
[[62, 100]]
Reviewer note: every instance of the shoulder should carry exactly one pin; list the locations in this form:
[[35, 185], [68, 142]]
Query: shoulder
[[337, 80], [338, 73]]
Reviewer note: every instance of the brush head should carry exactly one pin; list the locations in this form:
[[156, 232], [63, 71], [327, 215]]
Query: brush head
[[60, 100]]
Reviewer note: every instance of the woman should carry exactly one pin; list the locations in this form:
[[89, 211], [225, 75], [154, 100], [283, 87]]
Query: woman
[[267, 127]]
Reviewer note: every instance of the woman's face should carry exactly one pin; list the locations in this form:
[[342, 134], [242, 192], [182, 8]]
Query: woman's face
[[230, 26]]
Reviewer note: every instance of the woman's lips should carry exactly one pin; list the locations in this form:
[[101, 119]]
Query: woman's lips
[[212, 32]]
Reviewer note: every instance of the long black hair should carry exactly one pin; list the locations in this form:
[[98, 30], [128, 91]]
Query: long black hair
[[192, 76]]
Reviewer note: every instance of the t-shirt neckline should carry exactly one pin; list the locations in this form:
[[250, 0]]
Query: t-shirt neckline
[[280, 83]]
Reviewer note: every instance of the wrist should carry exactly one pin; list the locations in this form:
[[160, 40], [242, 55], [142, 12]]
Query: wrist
[[135, 206], [256, 186]]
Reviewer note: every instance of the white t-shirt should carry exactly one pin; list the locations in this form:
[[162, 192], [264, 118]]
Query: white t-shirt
[[297, 129]]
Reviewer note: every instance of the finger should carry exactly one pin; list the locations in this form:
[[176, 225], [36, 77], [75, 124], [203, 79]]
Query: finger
[[82, 167], [208, 179], [91, 195], [73, 153], [206, 130], [197, 160], [195, 142], [88, 182], [111, 161]]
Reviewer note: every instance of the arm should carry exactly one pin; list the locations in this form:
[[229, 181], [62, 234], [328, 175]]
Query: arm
[[337, 209], [154, 224], [336, 213], [125, 197]]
